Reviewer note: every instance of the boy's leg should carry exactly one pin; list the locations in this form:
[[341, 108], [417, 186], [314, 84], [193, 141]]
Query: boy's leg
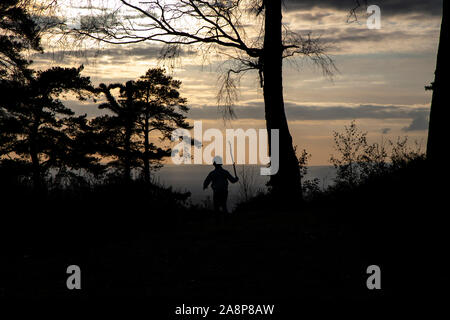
[[217, 207], [216, 201], [224, 202]]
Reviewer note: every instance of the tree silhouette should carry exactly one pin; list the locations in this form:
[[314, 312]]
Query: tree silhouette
[[18, 32], [224, 25], [116, 132], [350, 145], [37, 128], [160, 96], [439, 113], [141, 108]]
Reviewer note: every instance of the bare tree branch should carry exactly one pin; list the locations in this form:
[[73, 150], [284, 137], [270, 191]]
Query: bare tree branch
[[209, 24]]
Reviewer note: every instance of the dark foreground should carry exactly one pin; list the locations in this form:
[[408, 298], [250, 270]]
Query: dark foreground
[[131, 243]]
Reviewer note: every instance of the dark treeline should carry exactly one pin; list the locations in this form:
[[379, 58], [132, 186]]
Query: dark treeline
[[44, 141]]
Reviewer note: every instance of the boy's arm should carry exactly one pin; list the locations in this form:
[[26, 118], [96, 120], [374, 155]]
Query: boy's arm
[[231, 178], [207, 181]]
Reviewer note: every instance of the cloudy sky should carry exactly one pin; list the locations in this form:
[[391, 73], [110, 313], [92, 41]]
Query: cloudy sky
[[380, 83]]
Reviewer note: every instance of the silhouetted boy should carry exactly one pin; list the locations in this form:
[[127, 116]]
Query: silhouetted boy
[[219, 178]]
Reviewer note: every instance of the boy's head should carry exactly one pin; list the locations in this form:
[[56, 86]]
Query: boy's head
[[217, 161]]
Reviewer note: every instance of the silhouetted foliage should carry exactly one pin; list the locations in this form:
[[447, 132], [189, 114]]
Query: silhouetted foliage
[[403, 153], [350, 146], [37, 129], [247, 184], [18, 33], [358, 161], [311, 187], [149, 105], [161, 98]]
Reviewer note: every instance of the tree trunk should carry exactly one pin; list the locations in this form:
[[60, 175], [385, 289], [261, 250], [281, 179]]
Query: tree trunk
[[36, 167], [127, 164], [286, 182], [146, 151], [438, 131]]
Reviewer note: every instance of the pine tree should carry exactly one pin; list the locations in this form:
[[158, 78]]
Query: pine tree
[[141, 108], [18, 33], [160, 94], [37, 128]]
